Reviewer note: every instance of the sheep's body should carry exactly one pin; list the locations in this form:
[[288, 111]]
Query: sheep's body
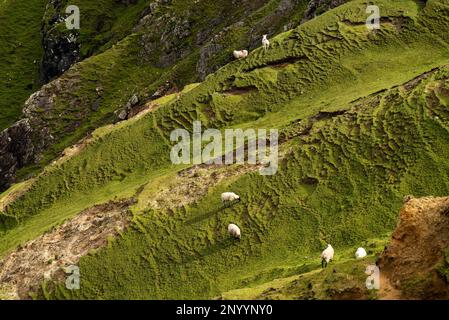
[[360, 253], [326, 256], [265, 42], [240, 54], [227, 197], [234, 231]]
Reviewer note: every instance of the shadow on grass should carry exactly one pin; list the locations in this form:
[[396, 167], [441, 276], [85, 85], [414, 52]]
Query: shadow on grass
[[208, 215]]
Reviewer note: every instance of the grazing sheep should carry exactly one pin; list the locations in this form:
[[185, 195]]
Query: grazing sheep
[[326, 256], [265, 42], [240, 54], [234, 231], [228, 197], [360, 253]]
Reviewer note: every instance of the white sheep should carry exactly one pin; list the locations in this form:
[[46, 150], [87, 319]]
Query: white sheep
[[360, 253], [228, 197], [265, 42], [240, 54], [234, 231], [326, 256]]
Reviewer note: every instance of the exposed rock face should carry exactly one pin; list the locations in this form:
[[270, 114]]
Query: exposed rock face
[[416, 259], [61, 49], [204, 67], [16, 149], [123, 114], [166, 37], [46, 257], [317, 7], [61, 45], [177, 39], [22, 143], [60, 53], [275, 21]]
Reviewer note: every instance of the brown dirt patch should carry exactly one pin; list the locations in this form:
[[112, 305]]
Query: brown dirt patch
[[193, 183], [417, 246], [45, 257]]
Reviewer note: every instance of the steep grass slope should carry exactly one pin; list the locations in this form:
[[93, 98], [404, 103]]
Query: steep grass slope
[[363, 119], [28, 27], [20, 53], [342, 183], [163, 45], [344, 280]]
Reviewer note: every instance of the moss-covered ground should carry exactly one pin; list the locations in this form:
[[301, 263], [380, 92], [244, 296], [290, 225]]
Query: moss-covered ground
[[103, 24], [360, 130], [20, 52]]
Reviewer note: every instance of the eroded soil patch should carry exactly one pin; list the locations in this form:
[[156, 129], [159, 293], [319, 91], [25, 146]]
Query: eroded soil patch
[[46, 256], [412, 260]]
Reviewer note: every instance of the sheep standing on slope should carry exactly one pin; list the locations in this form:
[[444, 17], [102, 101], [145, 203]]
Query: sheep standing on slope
[[326, 256], [229, 197], [265, 42], [360, 253], [234, 231], [240, 54]]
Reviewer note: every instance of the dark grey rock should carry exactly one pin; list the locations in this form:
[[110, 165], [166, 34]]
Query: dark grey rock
[[18, 145], [61, 49], [207, 52], [318, 7]]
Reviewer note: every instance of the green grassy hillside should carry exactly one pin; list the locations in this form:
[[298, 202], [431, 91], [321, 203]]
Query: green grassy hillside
[[342, 183], [172, 42], [363, 119], [20, 50], [103, 24]]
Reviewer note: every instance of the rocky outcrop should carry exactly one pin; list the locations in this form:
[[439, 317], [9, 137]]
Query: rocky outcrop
[[61, 48], [16, 150], [163, 40], [23, 143], [47, 256], [416, 261], [207, 53], [193, 44], [216, 52], [317, 7], [20, 145], [61, 45], [124, 113]]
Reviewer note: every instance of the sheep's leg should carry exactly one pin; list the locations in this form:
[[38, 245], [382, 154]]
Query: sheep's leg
[[322, 263]]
